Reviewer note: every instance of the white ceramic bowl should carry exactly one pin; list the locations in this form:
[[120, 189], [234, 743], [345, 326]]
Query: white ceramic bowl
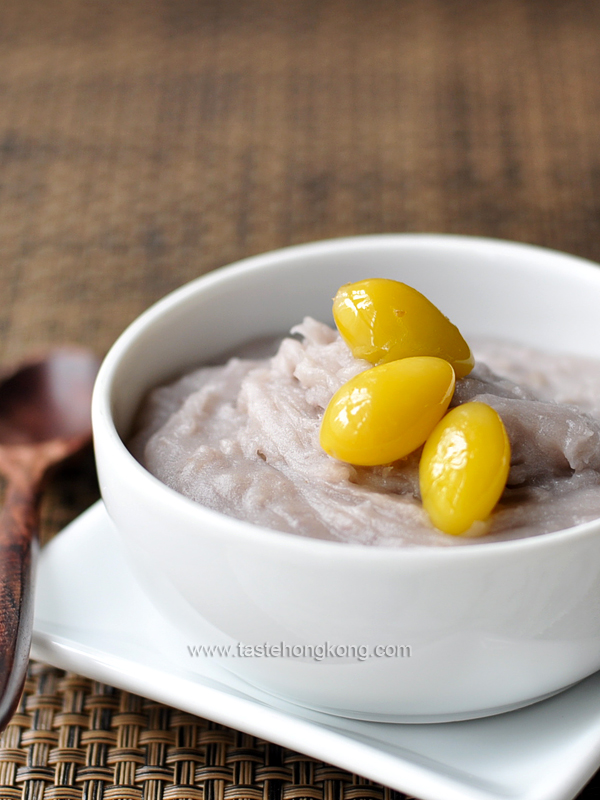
[[489, 627]]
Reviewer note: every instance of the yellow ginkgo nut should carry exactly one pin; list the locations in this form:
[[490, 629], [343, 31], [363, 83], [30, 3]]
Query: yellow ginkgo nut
[[388, 411], [383, 320], [464, 467]]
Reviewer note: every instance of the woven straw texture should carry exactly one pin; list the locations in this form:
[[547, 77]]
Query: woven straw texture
[[143, 143], [73, 739]]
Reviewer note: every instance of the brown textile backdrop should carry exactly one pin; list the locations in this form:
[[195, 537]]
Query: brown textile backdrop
[[145, 142]]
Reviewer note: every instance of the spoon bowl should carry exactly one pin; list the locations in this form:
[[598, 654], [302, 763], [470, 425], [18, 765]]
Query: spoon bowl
[[44, 419]]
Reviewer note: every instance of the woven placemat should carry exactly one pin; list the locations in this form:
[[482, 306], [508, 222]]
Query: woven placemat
[[76, 739]]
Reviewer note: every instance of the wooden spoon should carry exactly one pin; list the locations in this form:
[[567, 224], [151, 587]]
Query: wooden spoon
[[44, 419]]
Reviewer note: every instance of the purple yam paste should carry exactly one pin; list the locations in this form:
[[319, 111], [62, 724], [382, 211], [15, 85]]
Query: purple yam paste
[[242, 439]]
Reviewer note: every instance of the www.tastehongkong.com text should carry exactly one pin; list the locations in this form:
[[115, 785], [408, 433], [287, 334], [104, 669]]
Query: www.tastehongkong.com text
[[315, 652]]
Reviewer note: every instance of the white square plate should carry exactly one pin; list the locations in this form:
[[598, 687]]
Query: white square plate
[[91, 617]]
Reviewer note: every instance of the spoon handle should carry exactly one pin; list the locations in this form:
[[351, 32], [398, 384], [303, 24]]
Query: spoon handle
[[19, 521]]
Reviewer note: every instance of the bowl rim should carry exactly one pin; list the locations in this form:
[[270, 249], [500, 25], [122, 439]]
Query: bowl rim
[[104, 425]]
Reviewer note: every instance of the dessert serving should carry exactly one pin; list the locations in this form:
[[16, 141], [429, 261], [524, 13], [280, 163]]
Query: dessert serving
[[492, 621], [325, 438]]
